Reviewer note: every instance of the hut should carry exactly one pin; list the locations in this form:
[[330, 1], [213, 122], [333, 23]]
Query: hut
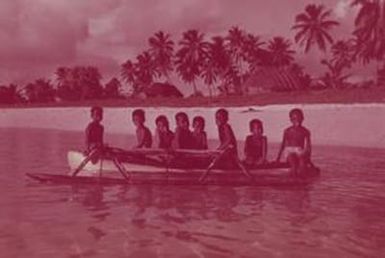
[[158, 89], [272, 78]]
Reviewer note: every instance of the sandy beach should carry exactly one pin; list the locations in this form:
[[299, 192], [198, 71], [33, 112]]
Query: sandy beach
[[358, 125]]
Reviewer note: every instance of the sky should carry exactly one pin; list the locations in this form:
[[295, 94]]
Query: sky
[[37, 36]]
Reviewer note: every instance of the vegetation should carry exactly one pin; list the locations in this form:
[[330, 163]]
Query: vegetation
[[224, 63], [313, 27]]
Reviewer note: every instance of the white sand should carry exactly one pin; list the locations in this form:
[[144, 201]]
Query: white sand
[[360, 125]]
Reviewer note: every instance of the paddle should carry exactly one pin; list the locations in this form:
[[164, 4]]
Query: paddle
[[213, 163], [87, 159], [244, 169], [121, 169]]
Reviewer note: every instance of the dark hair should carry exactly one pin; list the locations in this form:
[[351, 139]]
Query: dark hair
[[139, 113], [255, 122], [199, 119], [224, 112], [297, 111], [162, 119], [96, 109], [182, 115]]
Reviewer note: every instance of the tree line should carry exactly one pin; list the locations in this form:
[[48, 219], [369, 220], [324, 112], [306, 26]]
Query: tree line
[[224, 63]]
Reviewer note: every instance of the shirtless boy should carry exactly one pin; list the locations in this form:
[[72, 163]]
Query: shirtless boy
[[94, 130], [199, 134], [255, 144], [143, 134], [183, 137], [227, 139], [296, 143]]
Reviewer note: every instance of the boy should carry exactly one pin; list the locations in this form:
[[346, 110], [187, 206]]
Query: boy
[[227, 139], [183, 136], [143, 134], [199, 135], [296, 144], [163, 135], [255, 144], [94, 130]]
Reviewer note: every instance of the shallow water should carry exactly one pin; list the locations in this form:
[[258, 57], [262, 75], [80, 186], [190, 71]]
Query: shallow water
[[340, 215]]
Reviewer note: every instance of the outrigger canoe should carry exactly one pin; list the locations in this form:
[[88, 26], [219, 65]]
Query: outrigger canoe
[[177, 167]]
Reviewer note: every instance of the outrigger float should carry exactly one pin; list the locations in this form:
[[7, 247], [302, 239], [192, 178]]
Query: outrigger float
[[113, 166]]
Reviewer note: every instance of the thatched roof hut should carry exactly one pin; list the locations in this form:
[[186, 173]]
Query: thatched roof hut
[[271, 78], [158, 89]]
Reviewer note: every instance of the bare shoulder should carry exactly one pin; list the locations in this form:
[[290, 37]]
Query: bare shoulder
[[89, 126], [306, 131], [227, 126], [288, 129]]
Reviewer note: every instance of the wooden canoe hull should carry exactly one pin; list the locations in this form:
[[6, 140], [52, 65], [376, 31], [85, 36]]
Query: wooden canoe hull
[[180, 179], [104, 172], [107, 167]]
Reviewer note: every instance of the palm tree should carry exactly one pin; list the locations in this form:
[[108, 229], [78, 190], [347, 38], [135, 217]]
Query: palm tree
[[128, 74], [88, 79], [216, 63], [252, 51], [66, 87], [313, 27], [334, 77], [145, 69], [343, 53], [190, 57], [280, 52], [10, 94], [161, 50], [370, 31], [236, 42], [40, 91], [63, 75]]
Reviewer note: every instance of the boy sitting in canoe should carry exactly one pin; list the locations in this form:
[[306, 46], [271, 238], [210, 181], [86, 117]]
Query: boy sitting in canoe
[[183, 136], [296, 144], [228, 143], [163, 135], [143, 134], [199, 135], [94, 130], [255, 144]]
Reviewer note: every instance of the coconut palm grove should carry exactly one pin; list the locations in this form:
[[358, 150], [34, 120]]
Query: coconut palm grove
[[238, 63]]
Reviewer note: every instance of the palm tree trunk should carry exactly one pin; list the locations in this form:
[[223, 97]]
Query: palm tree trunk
[[167, 78], [209, 86], [195, 88], [380, 73]]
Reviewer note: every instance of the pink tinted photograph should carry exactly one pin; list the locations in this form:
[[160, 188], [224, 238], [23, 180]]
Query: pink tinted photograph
[[192, 128]]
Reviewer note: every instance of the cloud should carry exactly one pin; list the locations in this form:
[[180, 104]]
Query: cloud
[[36, 36], [342, 8]]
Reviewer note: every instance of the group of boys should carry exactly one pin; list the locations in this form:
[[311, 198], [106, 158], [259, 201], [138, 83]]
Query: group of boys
[[295, 147]]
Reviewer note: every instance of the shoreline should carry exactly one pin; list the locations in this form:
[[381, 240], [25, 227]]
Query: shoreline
[[328, 96], [249, 107], [355, 125]]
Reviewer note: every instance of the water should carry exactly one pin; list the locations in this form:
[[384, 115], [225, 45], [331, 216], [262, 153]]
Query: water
[[341, 215]]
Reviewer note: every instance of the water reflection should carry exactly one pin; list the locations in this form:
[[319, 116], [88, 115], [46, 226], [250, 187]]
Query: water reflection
[[179, 205]]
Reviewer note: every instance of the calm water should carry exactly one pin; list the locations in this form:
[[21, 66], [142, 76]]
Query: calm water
[[341, 215]]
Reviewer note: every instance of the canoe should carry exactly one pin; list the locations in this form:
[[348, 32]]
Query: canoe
[[151, 168]]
